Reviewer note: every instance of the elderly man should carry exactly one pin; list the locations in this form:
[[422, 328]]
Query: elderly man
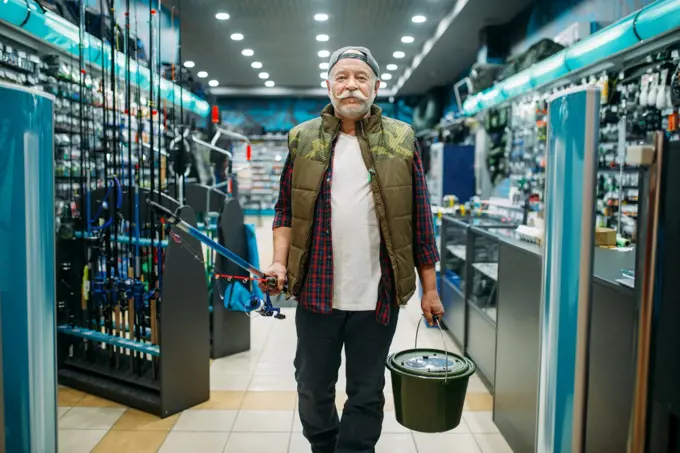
[[353, 222]]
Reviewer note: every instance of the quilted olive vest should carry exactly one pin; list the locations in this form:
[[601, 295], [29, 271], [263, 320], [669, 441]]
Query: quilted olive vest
[[387, 148]]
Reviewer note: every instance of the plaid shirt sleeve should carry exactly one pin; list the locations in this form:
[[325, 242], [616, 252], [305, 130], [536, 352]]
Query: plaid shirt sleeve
[[425, 251], [282, 209]]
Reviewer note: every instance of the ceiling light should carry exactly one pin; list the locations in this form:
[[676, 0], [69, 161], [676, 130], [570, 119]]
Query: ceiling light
[[256, 65], [398, 54], [222, 16], [237, 36], [321, 17], [386, 76], [269, 83], [189, 64], [323, 65], [202, 75], [324, 54], [263, 75], [213, 83], [248, 52], [383, 84], [392, 67], [407, 39], [419, 19], [323, 85], [324, 75], [322, 37]]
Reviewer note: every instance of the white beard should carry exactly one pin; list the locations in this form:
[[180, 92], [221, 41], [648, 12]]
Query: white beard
[[352, 111]]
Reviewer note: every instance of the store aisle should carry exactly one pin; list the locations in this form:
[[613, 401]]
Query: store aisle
[[253, 404]]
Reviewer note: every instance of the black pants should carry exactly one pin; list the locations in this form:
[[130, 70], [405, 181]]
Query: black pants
[[319, 347]]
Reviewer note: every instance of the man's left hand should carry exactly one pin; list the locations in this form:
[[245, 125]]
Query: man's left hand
[[431, 306]]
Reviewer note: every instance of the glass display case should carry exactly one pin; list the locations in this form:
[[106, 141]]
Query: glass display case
[[459, 278], [482, 298], [484, 269]]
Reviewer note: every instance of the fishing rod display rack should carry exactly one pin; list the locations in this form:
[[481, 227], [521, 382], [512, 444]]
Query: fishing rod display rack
[[161, 364], [223, 221]]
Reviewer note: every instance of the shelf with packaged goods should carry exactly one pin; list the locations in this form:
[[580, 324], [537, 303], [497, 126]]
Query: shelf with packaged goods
[[45, 32]]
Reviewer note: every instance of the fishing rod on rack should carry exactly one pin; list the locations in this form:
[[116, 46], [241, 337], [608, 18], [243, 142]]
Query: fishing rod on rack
[[264, 307]]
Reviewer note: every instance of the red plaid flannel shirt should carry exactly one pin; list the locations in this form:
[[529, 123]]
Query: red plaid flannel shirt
[[316, 293]]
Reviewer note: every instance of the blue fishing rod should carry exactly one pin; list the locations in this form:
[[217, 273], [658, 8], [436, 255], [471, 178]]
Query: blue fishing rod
[[264, 307]]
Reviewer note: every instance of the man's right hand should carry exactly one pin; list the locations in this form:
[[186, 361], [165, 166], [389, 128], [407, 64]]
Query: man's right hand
[[279, 271]]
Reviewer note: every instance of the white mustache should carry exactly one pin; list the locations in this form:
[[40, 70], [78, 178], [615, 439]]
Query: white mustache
[[351, 94]]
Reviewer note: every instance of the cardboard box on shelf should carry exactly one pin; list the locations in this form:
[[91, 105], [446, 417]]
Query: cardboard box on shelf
[[605, 237]]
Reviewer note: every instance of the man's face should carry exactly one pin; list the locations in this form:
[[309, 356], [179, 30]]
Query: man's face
[[352, 88]]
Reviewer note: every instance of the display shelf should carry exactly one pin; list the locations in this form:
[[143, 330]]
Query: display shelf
[[43, 30], [259, 178], [488, 269]]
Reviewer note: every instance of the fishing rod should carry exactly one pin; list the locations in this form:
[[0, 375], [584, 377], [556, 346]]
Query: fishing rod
[[264, 307]]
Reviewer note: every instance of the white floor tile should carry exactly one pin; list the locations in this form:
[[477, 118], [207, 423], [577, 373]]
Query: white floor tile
[[258, 442], [480, 422], [492, 443], [235, 382], [297, 424], [186, 442], [272, 383], [298, 444], [240, 366], [396, 443], [392, 426], [275, 368], [90, 417], [264, 421], [446, 443], [206, 420], [79, 440], [62, 411], [475, 385]]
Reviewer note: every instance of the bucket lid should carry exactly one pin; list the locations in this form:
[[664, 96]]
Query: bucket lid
[[430, 362]]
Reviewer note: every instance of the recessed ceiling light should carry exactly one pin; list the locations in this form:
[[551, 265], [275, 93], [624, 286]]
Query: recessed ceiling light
[[321, 17], [383, 84], [407, 39], [323, 85], [237, 36], [248, 52], [386, 76], [323, 65], [256, 65], [213, 83], [419, 19], [324, 75], [392, 67], [263, 75], [222, 16], [398, 54], [322, 37], [202, 75], [269, 83], [324, 54], [189, 64]]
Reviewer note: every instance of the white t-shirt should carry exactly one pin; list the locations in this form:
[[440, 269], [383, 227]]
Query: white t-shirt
[[355, 230]]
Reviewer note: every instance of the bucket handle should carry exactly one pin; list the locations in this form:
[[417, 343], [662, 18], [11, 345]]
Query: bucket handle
[[435, 318]]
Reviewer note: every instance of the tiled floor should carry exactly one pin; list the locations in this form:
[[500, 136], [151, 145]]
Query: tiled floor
[[252, 408]]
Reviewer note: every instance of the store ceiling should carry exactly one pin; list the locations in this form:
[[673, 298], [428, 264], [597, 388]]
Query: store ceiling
[[282, 34]]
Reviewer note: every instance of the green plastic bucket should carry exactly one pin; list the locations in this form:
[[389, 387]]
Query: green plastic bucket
[[429, 387]]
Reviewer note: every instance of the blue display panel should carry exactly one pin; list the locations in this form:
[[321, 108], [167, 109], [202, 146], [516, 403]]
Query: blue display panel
[[571, 173], [27, 270]]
